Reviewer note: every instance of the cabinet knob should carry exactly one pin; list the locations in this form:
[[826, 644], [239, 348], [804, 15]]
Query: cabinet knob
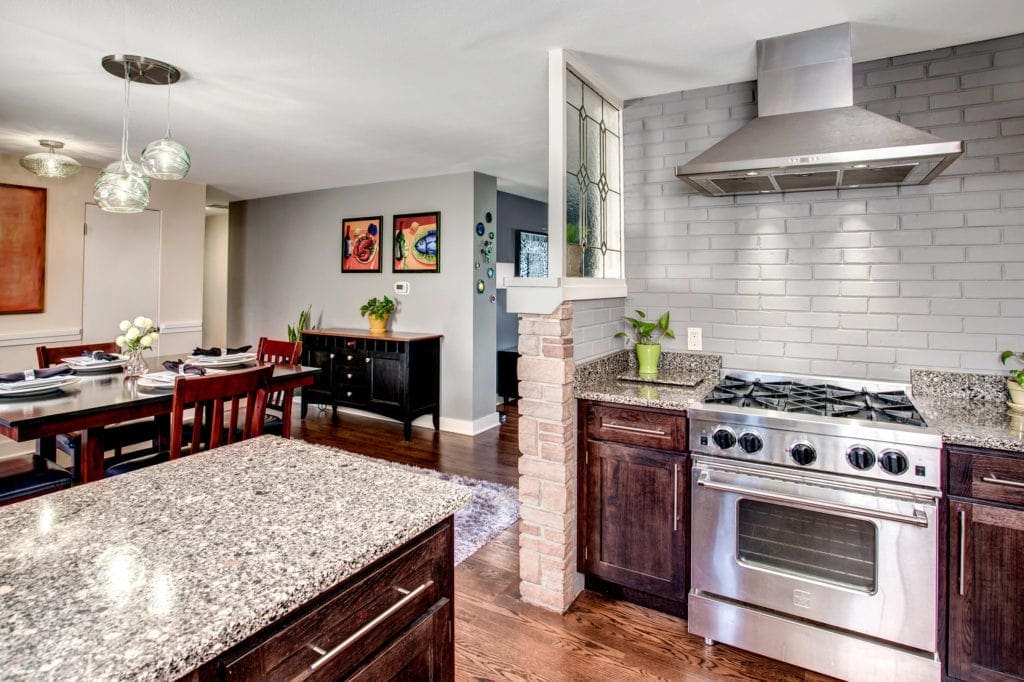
[[348, 376], [332, 356], [348, 394], [366, 359], [349, 357]]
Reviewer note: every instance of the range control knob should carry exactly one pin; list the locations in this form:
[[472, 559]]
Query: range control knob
[[860, 457], [723, 438], [751, 442], [803, 453], [894, 462]]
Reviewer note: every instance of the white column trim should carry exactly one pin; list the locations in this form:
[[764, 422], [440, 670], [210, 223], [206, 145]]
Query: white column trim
[[187, 327]]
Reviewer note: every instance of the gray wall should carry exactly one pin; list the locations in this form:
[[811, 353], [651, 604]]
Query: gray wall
[[285, 253], [594, 326], [484, 312], [514, 213], [860, 283]]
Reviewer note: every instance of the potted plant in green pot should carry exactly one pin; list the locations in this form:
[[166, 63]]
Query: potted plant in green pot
[[647, 338], [1016, 381], [378, 311]]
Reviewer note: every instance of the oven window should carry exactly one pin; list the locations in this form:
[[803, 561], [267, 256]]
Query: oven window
[[807, 544]]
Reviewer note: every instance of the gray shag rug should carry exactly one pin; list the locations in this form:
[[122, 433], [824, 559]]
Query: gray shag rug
[[494, 508]]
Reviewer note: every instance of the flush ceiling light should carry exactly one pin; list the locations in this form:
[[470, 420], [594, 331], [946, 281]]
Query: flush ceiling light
[[166, 159], [50, 164], [123, 187]]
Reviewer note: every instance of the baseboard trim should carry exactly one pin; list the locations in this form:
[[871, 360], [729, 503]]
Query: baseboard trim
[[40, 337], [463, 427]]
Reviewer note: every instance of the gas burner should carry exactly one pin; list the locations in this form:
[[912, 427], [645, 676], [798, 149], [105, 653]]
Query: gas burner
[[821, 399]]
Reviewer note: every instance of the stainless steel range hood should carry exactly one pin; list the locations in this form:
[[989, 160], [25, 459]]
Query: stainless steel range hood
[[808, 134]]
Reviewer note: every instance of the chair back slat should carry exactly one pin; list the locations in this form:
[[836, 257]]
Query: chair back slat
[[280, 353], [47, 356], [209, 394]]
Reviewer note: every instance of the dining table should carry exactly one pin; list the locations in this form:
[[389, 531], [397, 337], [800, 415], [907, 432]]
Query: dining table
[[98, 400]]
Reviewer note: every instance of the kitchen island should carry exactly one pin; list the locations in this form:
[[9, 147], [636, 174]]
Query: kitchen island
[[254, 558]]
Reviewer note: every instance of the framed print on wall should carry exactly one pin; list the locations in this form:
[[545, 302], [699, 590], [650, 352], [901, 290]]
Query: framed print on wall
[[360, 244], [23, 245], [417, 242]]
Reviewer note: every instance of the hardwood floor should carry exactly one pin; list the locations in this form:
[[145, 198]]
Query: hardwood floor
[[497, 636]]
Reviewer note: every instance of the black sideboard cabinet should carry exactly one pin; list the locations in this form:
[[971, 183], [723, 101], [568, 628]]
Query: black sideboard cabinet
[[396, 375]]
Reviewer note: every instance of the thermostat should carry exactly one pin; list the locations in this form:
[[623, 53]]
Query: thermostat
[[401, 288]]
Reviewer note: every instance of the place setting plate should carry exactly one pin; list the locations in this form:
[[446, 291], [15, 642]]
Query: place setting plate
[[223, 361], [162, 381], [85, 365], [34, 387]]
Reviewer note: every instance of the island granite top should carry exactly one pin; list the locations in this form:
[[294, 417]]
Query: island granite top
[[151, 574]]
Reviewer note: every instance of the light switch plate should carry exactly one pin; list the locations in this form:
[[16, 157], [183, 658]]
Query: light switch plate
[[401, 288], [694, 340]]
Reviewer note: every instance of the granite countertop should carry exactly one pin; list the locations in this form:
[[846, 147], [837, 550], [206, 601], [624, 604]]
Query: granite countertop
[[599, 380], [968, 409], [150, 574]]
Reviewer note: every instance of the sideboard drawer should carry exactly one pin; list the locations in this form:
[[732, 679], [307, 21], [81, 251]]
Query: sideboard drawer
[[353, 624], [988, 477], [637, 426]]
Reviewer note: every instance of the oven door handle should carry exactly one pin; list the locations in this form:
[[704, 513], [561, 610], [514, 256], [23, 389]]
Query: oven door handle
[[917, 519]]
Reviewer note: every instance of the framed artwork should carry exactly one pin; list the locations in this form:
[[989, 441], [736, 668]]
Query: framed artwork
[[360, 244], [417, 242], [23, 245], [531, 254]]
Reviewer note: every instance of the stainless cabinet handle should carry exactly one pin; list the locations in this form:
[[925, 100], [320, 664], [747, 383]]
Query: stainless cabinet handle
[[918, 519], [675, 497], [992, 478], [963, 534], [361, 632], [634, 429]]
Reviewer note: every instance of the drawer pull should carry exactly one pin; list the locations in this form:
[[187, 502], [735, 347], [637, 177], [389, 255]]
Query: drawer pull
[[634, 429], [675, 497], [348, 394], [326, 656], [349, 375], [349, 357], [1001, 481], [366, 359], [963, 543]]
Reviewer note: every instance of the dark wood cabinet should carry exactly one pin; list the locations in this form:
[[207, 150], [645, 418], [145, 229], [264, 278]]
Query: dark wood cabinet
[[392, 620], [395, 375], [634, 504], [985, 595]]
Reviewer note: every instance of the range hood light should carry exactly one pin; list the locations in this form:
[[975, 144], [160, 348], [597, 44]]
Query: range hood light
[[859, 165], [752, 173]]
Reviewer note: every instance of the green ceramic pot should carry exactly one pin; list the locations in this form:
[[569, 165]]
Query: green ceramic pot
[[647, 356]]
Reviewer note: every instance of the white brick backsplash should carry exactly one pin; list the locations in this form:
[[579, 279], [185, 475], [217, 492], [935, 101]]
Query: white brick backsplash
[[866, 282]]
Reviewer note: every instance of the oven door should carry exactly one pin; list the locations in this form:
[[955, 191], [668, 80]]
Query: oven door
[[852, 555]]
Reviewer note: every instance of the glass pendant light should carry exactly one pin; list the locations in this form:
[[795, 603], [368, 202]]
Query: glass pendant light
[[50, 164], [123, 187], [165, 159]]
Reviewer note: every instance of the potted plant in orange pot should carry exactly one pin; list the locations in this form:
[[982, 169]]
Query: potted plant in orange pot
[[378, 311], [647, 336]]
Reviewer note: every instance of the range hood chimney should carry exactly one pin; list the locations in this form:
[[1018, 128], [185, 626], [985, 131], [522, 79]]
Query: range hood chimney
[[808, 135]]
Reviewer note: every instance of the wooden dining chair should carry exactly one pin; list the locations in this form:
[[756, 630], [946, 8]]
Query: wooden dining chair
[[279, 403], [219, 401], [25, 476], [117, 436]]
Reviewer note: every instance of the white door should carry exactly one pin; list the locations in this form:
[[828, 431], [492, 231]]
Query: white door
[[122, 271]]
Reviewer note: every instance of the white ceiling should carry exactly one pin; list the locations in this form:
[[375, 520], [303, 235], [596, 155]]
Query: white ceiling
[[291, 96]]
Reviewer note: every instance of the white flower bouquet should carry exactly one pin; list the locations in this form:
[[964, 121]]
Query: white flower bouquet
[[137, 335]]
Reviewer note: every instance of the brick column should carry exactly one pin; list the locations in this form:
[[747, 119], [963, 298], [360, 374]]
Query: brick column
[[547, 462]]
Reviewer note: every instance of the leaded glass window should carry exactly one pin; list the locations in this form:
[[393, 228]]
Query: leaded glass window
[[593, 220]]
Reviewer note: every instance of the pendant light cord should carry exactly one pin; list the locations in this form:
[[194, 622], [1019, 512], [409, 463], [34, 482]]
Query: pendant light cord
[[124, 121]]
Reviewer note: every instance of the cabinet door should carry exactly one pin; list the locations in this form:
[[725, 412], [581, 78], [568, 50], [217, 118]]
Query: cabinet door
[[986, 592], [386, 379], [636, 499]]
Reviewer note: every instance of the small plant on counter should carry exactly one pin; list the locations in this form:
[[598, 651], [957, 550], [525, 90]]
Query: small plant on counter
[[295, 333], [1016, 381], [378, 311], [647, 337]]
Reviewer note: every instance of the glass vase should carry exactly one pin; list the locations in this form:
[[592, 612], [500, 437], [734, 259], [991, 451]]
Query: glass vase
[[136, 365]]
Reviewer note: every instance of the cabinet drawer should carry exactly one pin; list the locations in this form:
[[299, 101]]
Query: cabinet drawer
[[354, 623], [985, 476], [351, 375], [350, 357], [636, 426]]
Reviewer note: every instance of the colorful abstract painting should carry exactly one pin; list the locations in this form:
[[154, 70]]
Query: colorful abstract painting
[[417, 243], [360, 244], [23, 245]]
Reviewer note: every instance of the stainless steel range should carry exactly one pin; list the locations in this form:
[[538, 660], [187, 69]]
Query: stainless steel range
[[815, 525]]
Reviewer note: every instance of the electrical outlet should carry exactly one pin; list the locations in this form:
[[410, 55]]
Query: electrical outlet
[[694, 340]]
